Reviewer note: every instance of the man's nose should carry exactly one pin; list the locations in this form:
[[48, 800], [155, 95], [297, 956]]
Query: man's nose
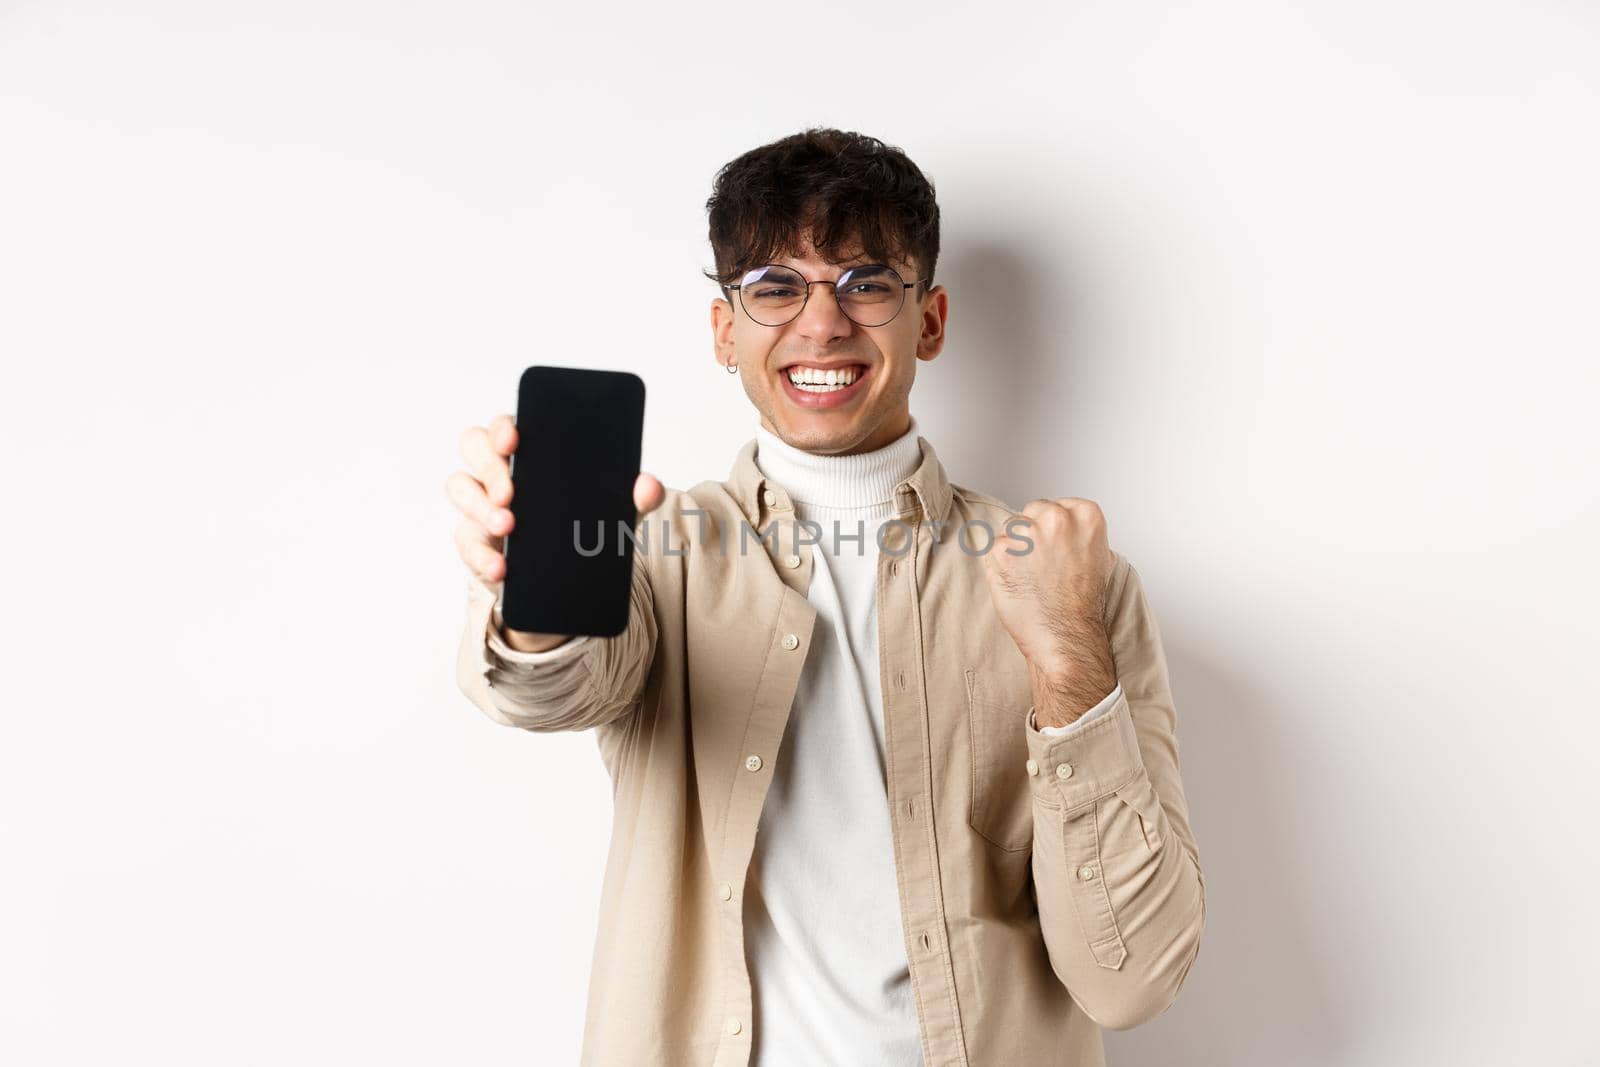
[[822, 316]]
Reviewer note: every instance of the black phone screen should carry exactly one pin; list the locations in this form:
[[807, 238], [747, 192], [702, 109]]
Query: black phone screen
[[569, 563]]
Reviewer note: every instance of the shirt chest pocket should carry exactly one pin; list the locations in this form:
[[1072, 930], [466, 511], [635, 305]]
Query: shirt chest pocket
[[1000, 805]]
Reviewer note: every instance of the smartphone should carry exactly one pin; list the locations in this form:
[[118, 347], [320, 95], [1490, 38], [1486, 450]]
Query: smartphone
[[569, 563]]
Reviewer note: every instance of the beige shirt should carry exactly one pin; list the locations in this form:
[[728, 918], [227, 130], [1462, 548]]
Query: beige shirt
[[1049, 885]]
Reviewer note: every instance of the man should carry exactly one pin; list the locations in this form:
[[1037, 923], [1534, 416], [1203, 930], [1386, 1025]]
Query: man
[[895, 772]]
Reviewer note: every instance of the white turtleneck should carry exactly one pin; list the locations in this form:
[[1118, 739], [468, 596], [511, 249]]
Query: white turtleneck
[[822, 911]]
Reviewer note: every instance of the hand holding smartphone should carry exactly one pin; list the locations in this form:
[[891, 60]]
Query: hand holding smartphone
[[571, 455]]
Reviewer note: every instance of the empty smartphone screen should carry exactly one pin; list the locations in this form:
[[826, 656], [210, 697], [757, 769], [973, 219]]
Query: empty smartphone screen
[[569, 563]]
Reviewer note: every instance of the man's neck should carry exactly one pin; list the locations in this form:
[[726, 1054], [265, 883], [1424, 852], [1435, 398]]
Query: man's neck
[[892, 430]]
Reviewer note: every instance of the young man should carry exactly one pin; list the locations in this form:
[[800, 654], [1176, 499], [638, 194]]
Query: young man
[[896, 778]]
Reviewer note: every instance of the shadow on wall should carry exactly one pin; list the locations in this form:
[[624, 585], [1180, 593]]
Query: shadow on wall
[[976, 398], [1255, 996]]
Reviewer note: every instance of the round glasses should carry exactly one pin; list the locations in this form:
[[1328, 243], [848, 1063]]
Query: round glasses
[[869, 295]]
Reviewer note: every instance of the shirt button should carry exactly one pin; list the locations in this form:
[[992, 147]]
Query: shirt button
[[734, 1026], [725, 891], [793, 561], [770, 497], [1033, 767], [1086, 873], [791, 642], [1064, 770], [752, 763]]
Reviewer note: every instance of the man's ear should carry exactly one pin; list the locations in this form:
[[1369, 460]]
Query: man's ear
[[722, 330], [935, 320]]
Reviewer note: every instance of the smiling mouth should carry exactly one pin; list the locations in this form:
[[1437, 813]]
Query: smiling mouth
[[821, 382]]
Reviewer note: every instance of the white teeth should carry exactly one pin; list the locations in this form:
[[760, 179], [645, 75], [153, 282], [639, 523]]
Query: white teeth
[[813, 380]]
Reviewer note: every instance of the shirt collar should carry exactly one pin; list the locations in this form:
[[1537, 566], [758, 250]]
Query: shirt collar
[[924, 495]]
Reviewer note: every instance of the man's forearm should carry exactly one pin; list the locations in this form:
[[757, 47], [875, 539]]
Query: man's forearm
[[1081, 678]]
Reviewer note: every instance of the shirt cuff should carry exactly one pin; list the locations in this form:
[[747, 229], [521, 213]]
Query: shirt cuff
[[1082, 720], [1071, 772], [498, 646]]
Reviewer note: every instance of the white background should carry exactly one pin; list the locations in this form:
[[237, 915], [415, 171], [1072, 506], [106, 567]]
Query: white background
[[1303, 295]]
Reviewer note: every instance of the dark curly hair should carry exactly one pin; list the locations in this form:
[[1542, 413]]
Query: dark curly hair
[[830, 185]]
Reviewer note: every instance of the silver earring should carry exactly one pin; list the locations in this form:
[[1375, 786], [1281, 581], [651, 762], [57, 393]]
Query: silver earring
[[733, 366]]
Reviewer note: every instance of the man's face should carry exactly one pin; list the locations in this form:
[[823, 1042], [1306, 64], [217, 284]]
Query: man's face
[[875, 409]]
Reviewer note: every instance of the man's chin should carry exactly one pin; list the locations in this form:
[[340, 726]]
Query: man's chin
[[828, 433]]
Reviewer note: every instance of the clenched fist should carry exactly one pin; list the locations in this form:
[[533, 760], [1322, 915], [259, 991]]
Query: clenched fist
[[1051, 598]]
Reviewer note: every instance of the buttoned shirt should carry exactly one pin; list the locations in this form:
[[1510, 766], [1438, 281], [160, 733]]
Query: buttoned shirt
[[1049, 885]]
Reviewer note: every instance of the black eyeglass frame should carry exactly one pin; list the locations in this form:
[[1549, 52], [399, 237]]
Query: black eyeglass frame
[[904, 285]]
